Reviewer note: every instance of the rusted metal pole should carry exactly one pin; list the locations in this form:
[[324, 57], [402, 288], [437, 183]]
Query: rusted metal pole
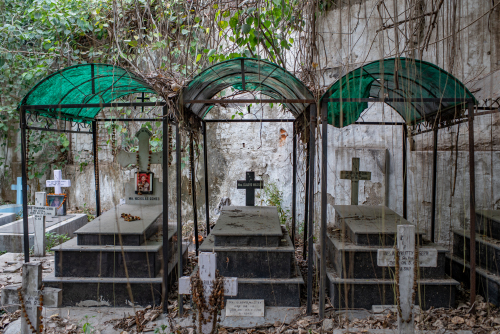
[[434, 184], [472, 189], [294, 183], [306, 204], [324, 189], [310, 231], [165, 243], [26, 238], [405, 175], [205, 170], [178, 185], [193, 191]]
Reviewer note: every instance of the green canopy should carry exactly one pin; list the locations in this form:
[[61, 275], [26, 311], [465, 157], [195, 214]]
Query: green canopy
[[245, 74], [83, 84], [396, 78]]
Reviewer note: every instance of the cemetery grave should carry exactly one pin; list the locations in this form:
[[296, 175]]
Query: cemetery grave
[[357, 280], [487, 245]]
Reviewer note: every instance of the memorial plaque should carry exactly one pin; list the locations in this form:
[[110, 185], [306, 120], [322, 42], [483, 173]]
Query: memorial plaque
[[245, 308], [41, 210], [426, 257]]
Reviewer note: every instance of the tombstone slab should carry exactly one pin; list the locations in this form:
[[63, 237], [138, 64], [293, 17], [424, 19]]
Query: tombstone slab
[[248, 226]]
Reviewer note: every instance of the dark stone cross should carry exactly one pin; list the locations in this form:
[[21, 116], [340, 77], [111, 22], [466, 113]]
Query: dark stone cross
[[355, 176], [250, 184]]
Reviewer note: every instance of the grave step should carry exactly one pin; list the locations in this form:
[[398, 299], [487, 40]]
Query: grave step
[[72, 260], [370, 225], [105, 230], [274, 291], [364, 293], [113, 291], [487, 283], [487, 250], [248, 226], [361, 261], [488, 223], [253, 261]]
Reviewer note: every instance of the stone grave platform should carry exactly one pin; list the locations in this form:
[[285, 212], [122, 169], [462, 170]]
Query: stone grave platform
[[354, 278], [11, 234], [11, 208], [105, 229], [6, 218], [251, 245], [96, 268], [487, 255]]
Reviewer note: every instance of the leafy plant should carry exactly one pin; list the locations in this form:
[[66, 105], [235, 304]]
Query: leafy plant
[[86, 210], [54, 239], [87, 327], [161, 330], [274, 197]]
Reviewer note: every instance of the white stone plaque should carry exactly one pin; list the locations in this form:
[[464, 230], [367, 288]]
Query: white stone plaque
[[427, 257], [245, 308], [41, 210]]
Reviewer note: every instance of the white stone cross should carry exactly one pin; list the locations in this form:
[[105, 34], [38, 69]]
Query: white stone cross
[[19, 190], [39, 210], [58, 182], [30, 291], [127, 158], [207, 266], [406, 254]]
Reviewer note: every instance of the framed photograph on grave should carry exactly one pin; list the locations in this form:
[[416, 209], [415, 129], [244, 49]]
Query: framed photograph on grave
[[144, 183], [58, 201]]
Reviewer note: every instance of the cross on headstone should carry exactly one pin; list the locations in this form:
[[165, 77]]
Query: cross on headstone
[[207, 265], [250, 184], [40, 211], [31, 291], [128, 158], [355, 175], [19, 190], [58, 182], [406, 252]]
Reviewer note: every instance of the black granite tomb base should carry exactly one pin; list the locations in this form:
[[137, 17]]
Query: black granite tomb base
[[487, 283], [251, 261], [488, 223], [364, 293], [357, 261], [487, 250], [114, 291]]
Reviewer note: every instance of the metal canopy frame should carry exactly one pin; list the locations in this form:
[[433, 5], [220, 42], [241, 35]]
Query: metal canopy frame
[[310, 180]]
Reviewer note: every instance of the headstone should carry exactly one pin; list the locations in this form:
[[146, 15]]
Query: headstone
[[355, 175], [19, 190], [144, 188], [245, 308], [250, 184], [207, 266], [30, 293], [58, 199], [406, 254], [39, 211]]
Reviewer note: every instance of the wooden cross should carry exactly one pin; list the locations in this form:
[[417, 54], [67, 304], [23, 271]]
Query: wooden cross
[[40, 211], [30, 293], [18, 188], [58, 182], [406, 253], [207, 264], [355, 176], [250, 184], [127, 158]]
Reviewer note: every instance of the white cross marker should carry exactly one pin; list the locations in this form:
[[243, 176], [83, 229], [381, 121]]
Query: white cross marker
[[31, 284], [39, 210], [58, 182], [207, 267], [19, 190], [406, 252]]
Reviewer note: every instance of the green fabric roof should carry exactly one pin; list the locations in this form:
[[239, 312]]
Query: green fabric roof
[[258, 76], [414, 79], [84, 83]]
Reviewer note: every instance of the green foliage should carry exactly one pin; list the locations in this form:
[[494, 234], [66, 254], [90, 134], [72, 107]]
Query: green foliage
[[274, 197], [86, 210], [161, 330], [54, 239], [3, 252], [87, 327]]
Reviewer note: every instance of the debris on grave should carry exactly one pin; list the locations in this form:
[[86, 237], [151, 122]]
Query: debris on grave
[[139, 319], [129, 218]]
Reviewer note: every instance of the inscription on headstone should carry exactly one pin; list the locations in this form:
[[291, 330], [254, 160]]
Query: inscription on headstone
[[207, 266], [355, 176], [250, 184], [406, 255], [245, 308], [40, 211]]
